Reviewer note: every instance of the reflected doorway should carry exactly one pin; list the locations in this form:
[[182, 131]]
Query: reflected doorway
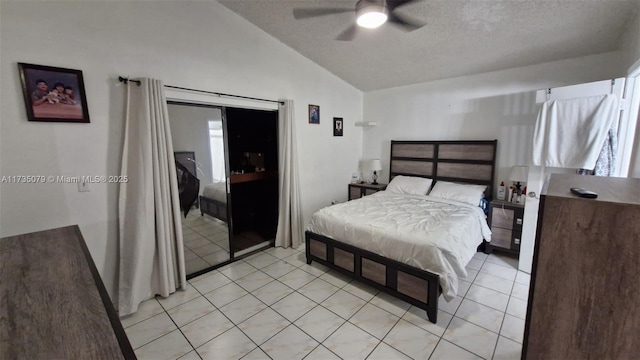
[[197, 133]]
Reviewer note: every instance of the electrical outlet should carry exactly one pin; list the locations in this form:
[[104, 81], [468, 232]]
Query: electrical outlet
[[83, 186]]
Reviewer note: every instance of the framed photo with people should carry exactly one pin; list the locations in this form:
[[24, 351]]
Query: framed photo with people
[[314, 114], [53, 94]]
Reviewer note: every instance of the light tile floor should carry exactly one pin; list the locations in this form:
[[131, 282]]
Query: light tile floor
[[273, 305], [206, 241]]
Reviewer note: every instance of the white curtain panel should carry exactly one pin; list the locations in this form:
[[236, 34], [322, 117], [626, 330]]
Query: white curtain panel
[[290, 229], [151, 244]]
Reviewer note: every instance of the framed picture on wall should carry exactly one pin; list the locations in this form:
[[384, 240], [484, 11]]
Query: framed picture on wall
[[53, 94], [314, 114], [338, 124]]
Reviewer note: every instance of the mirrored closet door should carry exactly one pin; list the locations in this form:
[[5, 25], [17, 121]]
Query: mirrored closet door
[[227, 166], [198, 134]]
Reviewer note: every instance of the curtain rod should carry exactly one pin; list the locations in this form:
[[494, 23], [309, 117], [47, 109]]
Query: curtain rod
[[125, 80]]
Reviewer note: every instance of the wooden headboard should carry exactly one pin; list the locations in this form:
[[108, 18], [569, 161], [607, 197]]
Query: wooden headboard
[[470, 162]]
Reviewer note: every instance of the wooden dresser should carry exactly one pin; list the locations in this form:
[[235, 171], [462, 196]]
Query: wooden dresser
[[53, 304], [585, 293]]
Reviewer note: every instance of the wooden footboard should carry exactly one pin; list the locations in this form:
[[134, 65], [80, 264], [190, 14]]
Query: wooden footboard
[[413, 285], [214, 208]]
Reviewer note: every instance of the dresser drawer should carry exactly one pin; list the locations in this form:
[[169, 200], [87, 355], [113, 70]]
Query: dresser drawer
[[354, 193], [370, 191], [507, 218], [501, 237], [505, 238], [516, 238], [502, 217]]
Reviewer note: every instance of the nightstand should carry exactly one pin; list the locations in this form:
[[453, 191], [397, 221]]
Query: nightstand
[[357, 191], [505, 221]]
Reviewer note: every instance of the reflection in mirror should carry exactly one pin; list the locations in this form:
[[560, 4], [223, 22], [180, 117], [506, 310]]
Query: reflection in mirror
[[253, 166], [198, 143]]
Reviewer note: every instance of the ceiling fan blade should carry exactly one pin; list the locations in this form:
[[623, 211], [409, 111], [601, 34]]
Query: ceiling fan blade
[[404, 22], [393, 4], [348, 34], [310, 13]]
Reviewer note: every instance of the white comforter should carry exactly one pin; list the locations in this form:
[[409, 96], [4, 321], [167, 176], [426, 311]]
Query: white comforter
[[432, 234]]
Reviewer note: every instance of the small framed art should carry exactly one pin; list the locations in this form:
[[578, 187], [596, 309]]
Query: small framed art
[[53, 94], [338, 125], [314, 114]]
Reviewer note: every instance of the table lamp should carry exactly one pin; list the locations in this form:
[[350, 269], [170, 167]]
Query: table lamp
[[519, 174], [375, 165]]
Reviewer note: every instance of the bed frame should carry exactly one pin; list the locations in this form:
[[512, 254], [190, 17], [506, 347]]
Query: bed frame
[[457, 161], [214, 208]]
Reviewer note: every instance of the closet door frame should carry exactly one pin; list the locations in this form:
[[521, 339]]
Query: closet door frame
[[225, 132], [227, 169]]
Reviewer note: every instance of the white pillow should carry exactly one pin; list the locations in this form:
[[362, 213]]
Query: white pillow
[[466, 193], [409, 185]]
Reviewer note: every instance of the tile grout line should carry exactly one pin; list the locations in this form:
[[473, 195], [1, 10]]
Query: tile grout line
[[320, 345]]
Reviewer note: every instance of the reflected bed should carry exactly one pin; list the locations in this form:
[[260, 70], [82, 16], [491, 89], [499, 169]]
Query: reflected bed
[[213, 200]]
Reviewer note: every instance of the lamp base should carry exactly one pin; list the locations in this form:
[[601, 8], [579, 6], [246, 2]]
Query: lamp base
[[375, 179], [518, 187], [516, 193]]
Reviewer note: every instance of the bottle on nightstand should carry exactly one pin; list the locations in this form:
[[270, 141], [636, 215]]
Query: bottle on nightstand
[[501, 191]]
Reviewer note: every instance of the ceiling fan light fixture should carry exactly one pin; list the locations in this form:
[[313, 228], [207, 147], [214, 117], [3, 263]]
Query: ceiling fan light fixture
[[371, 15]]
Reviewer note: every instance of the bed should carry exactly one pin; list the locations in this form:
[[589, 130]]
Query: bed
[[386, 260], [213, 200]]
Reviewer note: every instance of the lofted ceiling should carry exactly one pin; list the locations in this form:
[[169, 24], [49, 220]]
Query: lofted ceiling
[[459, 38]]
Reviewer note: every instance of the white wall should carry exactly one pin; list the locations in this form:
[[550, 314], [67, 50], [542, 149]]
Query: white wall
[[496, 105], [197, 44], [631, 42], [190, 132], [631, 48]]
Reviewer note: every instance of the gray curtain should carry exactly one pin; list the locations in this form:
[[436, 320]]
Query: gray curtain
[[150, 229], [290, 225]]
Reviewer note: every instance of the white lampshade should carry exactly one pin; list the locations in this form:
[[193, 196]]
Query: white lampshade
[[371, 15], [375, 165], [519, 173]]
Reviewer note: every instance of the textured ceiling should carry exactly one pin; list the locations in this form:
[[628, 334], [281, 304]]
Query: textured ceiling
[[460, 38]]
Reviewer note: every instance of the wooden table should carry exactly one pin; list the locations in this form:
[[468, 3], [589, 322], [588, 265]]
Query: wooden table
[[53, 304]]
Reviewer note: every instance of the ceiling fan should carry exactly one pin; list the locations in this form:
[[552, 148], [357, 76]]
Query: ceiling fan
[[369, 14]]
